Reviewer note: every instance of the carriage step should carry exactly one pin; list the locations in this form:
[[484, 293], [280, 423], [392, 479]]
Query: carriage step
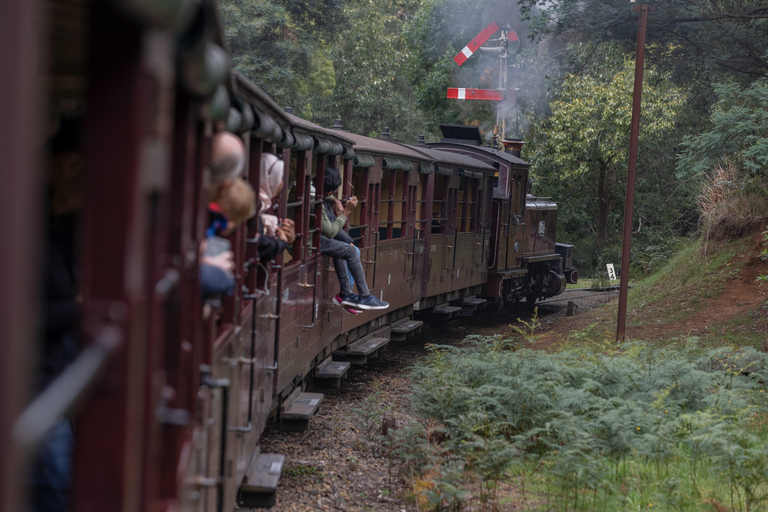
[[446, 311], [471, 304], [474, 301], [360, 351], [297, 409], [332, 371], [405, 329], [259, 486]]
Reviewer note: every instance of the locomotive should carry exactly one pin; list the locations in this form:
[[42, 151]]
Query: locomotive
[[169, 394]]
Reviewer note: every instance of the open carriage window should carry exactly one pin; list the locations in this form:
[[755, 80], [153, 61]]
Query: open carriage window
[[440, 205], [422, 208], [358, 224], [477, 207], [392, 214], [464, 213]]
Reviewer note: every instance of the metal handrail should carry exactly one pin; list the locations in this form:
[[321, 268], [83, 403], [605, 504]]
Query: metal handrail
[[62, 395]]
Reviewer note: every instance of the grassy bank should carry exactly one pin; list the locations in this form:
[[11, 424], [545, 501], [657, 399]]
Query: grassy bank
[[640, 428], [678, 422]]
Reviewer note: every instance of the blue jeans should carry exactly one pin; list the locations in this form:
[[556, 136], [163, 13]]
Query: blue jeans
[[343, 236], [346, 261], [50, 483]]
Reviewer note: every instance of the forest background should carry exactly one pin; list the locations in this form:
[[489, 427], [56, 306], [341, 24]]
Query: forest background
[[704, 132]]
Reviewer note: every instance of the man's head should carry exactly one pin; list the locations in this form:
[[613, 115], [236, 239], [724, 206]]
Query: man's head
[[237, 203], [227, 161], [332, 180]]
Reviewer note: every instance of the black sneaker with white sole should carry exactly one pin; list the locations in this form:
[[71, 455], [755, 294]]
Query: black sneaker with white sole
[[370, 303]]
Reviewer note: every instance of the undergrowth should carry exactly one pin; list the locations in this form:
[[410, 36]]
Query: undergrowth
[[638, 427]]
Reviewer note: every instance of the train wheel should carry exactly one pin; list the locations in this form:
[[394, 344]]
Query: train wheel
[[495, 306]]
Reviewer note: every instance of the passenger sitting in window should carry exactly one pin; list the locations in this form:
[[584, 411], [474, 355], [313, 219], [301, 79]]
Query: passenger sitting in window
[[344, 253], [236, 205], [227, 164], [274, 235]]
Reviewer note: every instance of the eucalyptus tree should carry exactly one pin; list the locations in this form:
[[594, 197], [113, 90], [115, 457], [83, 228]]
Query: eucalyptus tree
[[579, 153]]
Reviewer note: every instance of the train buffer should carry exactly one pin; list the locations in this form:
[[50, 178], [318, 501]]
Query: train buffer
[[331, 372], [367, 348], [297, 409], [445, 312], [405, 328], [259, 486], [471, 304]]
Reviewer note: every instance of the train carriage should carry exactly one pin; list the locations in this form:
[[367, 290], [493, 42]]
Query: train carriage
[[169, 393]]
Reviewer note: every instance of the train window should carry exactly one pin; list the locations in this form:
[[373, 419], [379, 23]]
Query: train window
[[293, 209], [406, 205], [392, 212], [422, 210], [440, 204], [452, 211], [386, 204], [464, 211], [477, 209], [358, 219]]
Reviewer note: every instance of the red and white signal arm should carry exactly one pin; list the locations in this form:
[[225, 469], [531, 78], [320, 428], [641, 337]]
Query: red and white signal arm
[[460, 93], [476, 43], [514, 42]]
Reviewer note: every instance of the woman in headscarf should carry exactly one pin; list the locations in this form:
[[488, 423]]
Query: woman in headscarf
[[274, 237]]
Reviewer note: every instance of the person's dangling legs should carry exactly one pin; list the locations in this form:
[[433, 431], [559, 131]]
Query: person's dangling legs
[[349, 256]]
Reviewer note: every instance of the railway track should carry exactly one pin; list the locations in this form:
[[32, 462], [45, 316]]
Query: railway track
[[332, 465]]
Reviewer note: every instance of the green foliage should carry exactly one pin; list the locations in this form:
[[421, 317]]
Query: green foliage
[[739, 132], [372, 90], [282, 46], [581, 151], [763, 278], [621, 425], [728, 35]]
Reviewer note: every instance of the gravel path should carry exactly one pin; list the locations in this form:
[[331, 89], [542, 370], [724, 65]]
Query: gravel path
[[334, 464]]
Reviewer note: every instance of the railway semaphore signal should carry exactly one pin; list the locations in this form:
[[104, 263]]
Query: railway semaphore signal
[[508, 43]]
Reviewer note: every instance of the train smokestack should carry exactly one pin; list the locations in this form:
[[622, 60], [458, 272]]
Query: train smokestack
[[513, 146]]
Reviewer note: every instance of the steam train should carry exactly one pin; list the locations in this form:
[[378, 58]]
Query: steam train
[[169, 394]]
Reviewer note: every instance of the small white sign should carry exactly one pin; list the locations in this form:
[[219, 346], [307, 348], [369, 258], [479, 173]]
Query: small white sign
[[611, 271]]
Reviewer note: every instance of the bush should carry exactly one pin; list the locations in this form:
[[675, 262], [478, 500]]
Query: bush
[[585, 417]]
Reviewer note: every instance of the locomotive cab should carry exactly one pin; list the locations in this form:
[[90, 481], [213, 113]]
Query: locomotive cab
[[540, 256]]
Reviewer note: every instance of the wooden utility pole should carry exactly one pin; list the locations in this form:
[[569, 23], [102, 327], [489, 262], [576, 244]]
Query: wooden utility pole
[[643, 9]]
